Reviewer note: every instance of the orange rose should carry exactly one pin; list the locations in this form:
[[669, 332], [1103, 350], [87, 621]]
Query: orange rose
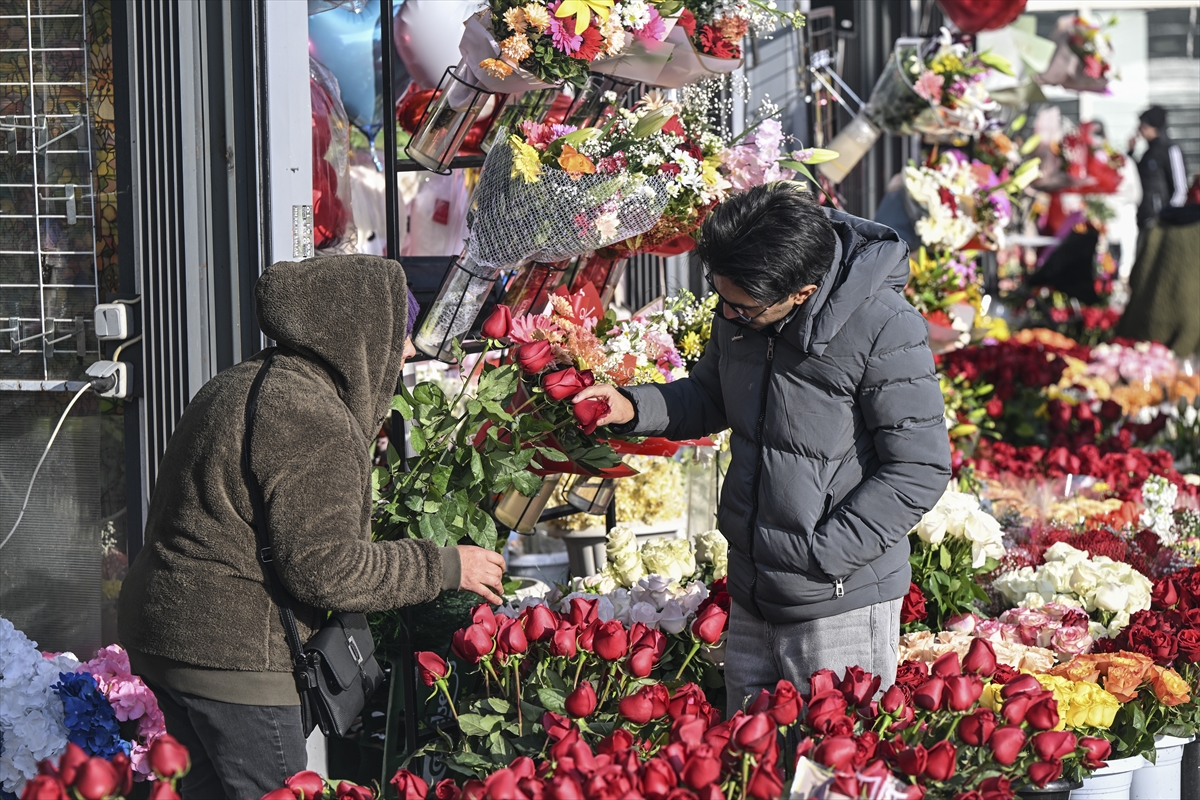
[[1126, 671], [1086, 668], [1169, 687]]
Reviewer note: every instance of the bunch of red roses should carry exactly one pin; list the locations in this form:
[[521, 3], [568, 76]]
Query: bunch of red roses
[[993, 729], [682, 752], [1011, 366], [78, 775], [573, 665]]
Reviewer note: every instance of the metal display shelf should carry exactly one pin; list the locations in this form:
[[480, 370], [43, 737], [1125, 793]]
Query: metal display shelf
[[459, 162]]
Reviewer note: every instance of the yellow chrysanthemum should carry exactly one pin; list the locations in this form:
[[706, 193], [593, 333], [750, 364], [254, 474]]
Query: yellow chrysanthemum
[[946, 62], [516, 48], [495, 68], [537, 17], [526, 162], [515, 19], [691, 346]]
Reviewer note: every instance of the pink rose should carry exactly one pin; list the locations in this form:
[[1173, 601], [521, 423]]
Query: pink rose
[[963, 623], [989, 629], [1071, 641]]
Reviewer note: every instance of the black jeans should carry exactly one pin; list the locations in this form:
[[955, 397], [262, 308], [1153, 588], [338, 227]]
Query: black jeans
[[238, 752]]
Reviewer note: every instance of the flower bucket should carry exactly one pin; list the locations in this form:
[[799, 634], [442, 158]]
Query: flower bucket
[[1162, 779], [689, 65], [1055, 790], [1111, 782], [549, 568], [851, 144], [586, 548], [521, 513]]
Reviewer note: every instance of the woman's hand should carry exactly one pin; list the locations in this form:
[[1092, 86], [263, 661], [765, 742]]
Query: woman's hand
[[482, 572]]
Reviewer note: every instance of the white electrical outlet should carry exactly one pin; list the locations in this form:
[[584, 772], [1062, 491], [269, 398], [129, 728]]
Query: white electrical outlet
[[112, 321], [117, 370]]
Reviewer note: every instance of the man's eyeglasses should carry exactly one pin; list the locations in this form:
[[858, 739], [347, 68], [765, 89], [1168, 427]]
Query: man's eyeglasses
[[744, 313]]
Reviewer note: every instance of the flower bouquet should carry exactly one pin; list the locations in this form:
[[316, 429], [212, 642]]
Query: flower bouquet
[[647, 24], [1083, 57], [541, 198], [709, 34], [944, 287]]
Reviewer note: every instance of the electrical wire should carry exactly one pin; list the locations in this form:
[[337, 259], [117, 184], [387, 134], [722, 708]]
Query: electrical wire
[[124, 344], [45, 453]]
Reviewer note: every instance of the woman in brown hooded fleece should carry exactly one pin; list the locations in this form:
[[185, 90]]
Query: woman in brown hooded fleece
[[195, 611]]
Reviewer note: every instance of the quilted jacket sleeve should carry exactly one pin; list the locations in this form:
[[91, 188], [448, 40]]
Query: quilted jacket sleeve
[[901, 404], [684, 409]]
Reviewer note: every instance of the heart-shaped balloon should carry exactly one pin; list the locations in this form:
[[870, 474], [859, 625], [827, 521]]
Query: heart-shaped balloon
[[973, 16], [348, 44], [427, 34]]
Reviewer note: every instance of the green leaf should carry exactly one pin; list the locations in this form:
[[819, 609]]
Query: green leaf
[[552, 699], [997, 62], [526, 483], [417, 438], [476, 725], [653, 122], [429, 394], [477, 466], [499, 705], [500, 747], [399, 403]]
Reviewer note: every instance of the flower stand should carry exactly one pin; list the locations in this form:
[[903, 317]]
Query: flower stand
[[1161, 780], [1110, 783], [1189, 779], [586, 551], [1060, 789]]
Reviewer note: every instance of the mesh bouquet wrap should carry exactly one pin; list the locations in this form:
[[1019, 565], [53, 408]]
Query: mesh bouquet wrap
[[553, 217]]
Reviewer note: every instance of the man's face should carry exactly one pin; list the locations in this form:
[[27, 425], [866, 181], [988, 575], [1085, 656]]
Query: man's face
[[1148, 132], [754, 314]]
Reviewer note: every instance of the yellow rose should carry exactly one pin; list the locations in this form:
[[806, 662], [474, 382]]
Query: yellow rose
[[991, 696], [1061, 688], [1091, 706]]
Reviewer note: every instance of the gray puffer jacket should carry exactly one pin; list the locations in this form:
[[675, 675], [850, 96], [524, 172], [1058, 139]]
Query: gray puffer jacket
[[838, 444]]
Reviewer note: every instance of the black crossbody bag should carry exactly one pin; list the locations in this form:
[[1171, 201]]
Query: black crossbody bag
[[335, 670]]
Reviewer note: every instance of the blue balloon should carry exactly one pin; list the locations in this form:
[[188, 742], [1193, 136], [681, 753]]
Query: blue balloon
[[348, 43]]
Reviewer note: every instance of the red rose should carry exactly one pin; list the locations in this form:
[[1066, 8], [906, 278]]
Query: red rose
[[1165, 594], [562, 643], [765, 783], [893, 700], [962, 691], [511, 639], [940, 762], [687, 701], [409, 786], [710, 624], [540, 623], [658, 779], [911, 674], [583, 612], [1004, 674], [785, 703], [433, 669], [557, 726], [352, 791], [564, 787], [485, 618], [823, 681], [168, 758], [976, 728], [702, 767], [1017, 706], [307, 784], [911, 760], [1042, 772], [44, 787], [859, 686], [1097, 750], [447, 789], [471, 643], [638, 708], [835, 751], [980, 659], [587, 636], [617, 742], [929, 694], [755, 734], [124, 768], [1188, 641], [533, 357], [582, 701], [72, 759], [612, 640], [474, 790], [642, 659], [162, 790], [1006, 743], [499, 324], [946, 665], [563, 384], [1022, 684], [867, 743], [996, 788], [1043, 714], [588, 413], [1053, 744], [913, 607], [994, 407], [824, 708]]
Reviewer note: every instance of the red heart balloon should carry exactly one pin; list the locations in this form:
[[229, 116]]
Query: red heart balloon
[[973, 16]]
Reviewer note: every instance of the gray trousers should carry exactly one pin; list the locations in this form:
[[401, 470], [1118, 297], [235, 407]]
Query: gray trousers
[[759, 654], [238, 752]]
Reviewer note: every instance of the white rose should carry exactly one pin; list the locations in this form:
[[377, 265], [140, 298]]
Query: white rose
[[1032, 600], [1111, 596], [1139, 587], [672, 619], [620, 601], [644, 613], [982, 551], [980, 526], [932, 527], [1065, 553], [1015, 584], [691, 596], [713, 548], [1119, 622], [1054, 578], [671, 558], [1068, 600], [1097, 630], [605, 609], [1085, 577]]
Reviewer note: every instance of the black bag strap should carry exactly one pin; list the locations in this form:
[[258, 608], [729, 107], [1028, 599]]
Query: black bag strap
[[274, 586]]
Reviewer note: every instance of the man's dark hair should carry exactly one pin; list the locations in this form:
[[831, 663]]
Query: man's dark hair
[[771, 241]]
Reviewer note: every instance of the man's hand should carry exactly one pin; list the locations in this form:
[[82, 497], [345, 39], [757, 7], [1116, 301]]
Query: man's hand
[[482, 572], [620, 409]]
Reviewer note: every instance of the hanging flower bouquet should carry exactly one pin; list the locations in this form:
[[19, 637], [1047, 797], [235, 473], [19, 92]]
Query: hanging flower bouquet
[[708, 37], [689, 321], [1089, 162], [1083, 58], [935, 88], [966, 204]]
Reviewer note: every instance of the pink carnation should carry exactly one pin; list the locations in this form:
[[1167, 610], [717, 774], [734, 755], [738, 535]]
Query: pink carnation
[[654, 30], [929, 86]]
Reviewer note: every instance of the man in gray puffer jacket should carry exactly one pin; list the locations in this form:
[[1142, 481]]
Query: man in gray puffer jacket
[[822, 371]]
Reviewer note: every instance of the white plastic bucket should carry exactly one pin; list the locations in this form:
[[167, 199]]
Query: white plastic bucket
[[1160, 780], [1110, 783]]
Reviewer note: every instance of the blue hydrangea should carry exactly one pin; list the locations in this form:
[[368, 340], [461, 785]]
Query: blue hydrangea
[[89, 717]]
